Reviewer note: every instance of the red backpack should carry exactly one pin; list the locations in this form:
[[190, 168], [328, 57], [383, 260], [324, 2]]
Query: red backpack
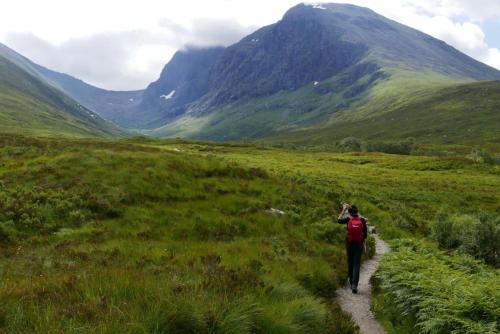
[[355, 231]]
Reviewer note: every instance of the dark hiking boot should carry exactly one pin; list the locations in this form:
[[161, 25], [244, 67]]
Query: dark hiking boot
[[354, 289]]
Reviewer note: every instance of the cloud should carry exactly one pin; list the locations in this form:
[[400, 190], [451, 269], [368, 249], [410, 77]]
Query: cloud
[[206, 32], [125, 60], [210, 32], [101, 59], [477, 10], [492, 57], [467, 36]]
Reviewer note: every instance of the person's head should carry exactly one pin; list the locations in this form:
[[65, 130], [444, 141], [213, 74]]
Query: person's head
[[353, 210]]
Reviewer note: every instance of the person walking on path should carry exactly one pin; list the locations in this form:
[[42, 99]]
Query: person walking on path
[[357, 233]]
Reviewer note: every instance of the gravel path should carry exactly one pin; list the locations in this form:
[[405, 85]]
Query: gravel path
[[358, 305]]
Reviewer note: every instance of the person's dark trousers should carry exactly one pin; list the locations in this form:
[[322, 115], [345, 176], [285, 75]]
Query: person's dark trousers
[[354, 252]]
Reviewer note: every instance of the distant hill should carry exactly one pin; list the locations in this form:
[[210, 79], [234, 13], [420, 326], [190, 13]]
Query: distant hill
[[111, 105], [29, 105]]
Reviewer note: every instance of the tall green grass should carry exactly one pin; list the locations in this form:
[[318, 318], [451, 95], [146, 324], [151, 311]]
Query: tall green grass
[[118, 237], [169, 236]]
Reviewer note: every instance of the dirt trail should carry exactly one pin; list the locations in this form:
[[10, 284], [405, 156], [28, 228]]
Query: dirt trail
[[358, 305]]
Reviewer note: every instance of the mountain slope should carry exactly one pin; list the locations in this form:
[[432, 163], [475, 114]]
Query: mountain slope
[[317, 64], [183, 80], [112, 105], [465, 114], [315, 43], [29, 105]]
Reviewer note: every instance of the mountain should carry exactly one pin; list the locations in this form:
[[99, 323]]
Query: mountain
[[318, 64], [111, 105], [314, 43], [30, 105]]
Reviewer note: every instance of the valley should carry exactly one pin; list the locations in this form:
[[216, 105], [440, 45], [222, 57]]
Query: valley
[[366, 71], [206, 202]]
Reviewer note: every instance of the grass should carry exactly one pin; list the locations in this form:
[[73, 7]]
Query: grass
[[169, 236], [405, 196], [406, 191], [21, 114], [458, 114], [102, 236]]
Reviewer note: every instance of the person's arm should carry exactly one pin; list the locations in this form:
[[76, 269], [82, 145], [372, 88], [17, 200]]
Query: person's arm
[[345, 207], [341, 219]]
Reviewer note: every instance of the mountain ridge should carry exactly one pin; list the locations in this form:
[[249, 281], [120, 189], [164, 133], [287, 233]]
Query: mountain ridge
[[107, 103]]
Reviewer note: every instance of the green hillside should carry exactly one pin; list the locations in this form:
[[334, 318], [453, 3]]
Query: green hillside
[[286, 113], [30, 106], [311, 79], [459, 114]]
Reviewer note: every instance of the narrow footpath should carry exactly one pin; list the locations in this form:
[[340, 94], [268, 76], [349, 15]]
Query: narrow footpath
[[359, 305]]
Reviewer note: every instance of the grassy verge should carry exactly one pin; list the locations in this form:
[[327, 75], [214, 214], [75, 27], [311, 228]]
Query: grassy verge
[[115, 237]]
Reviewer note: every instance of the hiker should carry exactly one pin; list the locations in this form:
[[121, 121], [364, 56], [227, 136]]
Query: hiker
[[355, 239]]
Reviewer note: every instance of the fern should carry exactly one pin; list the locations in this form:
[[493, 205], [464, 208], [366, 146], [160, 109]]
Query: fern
[[444, 294]]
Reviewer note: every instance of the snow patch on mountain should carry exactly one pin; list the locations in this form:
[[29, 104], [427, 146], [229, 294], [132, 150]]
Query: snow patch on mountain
[[315, 5], [169, 96]]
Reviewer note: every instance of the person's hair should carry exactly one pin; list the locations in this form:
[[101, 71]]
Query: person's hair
[[353, 210]]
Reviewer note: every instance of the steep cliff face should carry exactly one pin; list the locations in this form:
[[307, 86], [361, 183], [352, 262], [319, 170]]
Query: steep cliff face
[[183, 80], [302, 48]]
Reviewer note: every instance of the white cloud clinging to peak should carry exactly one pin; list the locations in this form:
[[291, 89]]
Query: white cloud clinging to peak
[[124, 44]]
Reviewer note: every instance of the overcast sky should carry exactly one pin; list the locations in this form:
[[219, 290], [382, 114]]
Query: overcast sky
[[124, 44]]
